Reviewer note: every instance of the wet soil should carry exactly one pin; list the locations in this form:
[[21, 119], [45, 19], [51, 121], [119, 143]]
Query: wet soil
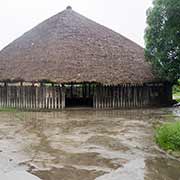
[[87, 144]]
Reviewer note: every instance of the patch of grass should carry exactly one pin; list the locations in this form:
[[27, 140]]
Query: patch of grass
[[168, 136], [5, 109]]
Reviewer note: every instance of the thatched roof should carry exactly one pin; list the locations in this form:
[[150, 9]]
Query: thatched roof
[[71, 48]]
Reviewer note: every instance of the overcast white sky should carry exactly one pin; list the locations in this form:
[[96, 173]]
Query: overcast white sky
[[127, 17]]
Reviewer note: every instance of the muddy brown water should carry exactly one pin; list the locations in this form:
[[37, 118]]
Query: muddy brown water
[[86, 144]]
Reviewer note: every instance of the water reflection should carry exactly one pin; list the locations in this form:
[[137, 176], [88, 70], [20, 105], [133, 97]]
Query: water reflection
[[87, 144], [162, 169]]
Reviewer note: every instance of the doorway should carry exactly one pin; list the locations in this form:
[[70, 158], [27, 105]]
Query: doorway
[[79, 95]]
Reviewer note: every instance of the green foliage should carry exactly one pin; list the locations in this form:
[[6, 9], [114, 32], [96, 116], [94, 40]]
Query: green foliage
[[178, 99], [176, 91], [176, 88], [168, 136], [162, 38]]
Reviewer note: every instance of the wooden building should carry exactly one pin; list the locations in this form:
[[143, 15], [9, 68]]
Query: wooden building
[[69, 60]]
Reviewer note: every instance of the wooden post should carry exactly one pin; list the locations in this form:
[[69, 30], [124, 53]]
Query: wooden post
[[63, 97]]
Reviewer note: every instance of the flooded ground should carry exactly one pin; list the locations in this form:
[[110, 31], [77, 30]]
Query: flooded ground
[[87, 144]]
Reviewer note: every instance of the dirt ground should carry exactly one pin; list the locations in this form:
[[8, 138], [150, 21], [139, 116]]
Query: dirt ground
[[87, 144]]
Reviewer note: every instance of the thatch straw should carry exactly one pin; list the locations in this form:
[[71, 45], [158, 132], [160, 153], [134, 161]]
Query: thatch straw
[[71, 48]]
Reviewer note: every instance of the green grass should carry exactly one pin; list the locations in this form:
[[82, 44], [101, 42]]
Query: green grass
[[168, 136], [5, 109]]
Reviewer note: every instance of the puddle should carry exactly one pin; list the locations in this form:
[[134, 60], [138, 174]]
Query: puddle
[[86, 144]]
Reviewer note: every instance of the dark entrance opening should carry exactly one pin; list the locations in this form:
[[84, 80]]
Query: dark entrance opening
[[79, 95]]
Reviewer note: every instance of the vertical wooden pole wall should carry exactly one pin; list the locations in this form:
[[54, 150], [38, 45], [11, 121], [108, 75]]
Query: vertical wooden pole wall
[[53, 96], [32, 97], [126, 96]]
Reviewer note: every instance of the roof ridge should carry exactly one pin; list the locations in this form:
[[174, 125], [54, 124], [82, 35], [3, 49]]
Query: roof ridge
[[99, 24]]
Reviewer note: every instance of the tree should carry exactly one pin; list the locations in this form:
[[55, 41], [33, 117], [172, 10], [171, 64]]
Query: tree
[[162, 38]]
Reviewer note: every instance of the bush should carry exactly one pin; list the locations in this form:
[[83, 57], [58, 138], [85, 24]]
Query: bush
[[168, 136], [176, 88], [176, 91]]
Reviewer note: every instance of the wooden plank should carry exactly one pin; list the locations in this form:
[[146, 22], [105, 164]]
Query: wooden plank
[[63, 97]]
